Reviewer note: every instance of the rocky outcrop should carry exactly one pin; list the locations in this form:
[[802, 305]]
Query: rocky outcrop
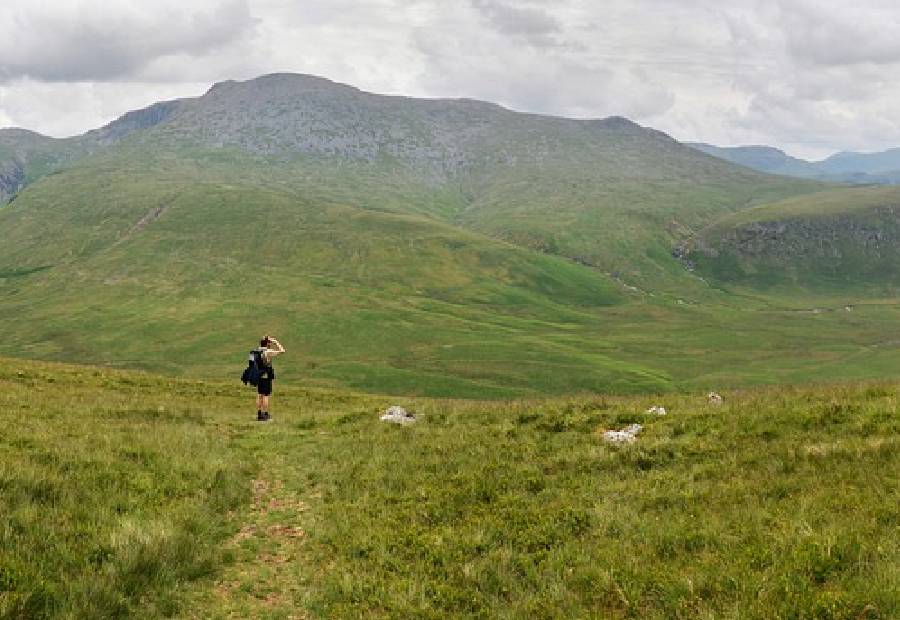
[[813, 238], [12, 178], [26, 154], [626, 435], [860, 246], [133, 121]]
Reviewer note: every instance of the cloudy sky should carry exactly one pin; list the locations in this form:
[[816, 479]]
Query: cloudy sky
[[809, 76]]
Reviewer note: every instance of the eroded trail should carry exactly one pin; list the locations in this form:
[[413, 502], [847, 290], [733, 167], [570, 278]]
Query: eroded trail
[[266, 576], [267, 571]]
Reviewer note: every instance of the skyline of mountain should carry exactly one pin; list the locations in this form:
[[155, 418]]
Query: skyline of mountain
[[836, 157]]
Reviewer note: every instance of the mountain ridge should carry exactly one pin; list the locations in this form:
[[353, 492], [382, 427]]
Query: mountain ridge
[[309, 126], [845, 167]]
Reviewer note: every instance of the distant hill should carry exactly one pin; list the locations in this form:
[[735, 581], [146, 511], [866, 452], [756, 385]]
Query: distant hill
[[443, 247], [856, 168], [762, 158], [885, 163]]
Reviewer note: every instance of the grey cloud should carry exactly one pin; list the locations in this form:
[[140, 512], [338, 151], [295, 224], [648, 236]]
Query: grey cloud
[[816, 76], [114, 41], [532, 25]]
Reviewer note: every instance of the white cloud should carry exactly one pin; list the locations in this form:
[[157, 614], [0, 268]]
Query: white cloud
[[811, 76]]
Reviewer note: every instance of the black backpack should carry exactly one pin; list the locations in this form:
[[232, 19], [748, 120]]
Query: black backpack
[[256, 368]]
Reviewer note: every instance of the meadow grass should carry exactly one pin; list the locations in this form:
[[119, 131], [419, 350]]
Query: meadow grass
[[125, 494]]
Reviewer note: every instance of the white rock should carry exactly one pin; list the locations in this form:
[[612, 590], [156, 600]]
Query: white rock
[[626, 435], [715, 398], [657, 410], [398, 415]]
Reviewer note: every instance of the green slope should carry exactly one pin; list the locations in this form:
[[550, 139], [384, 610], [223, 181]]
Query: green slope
[[180, 271], [839, 240], [607, 193]]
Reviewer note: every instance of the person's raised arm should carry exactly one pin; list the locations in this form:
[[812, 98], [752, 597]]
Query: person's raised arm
[[277, 351]]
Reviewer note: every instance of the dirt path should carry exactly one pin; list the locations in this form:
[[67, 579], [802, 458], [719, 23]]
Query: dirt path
[[264, 577]]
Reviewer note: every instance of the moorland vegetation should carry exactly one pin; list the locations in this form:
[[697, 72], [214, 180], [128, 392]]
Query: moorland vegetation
[[133, 495]]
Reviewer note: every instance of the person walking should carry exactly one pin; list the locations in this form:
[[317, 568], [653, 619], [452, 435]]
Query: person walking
[[268, 348]]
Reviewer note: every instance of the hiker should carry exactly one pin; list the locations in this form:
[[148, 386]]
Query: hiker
[[268, 348]]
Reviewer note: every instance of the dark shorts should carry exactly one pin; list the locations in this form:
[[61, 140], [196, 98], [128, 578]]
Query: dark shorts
[[264, 387]]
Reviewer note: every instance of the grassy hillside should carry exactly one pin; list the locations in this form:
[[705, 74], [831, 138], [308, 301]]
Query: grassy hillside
[[606, 192], [842, 239], [171, 265], [186, 274], [132, 495]]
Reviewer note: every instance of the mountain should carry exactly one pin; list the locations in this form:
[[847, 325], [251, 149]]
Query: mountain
[[855, 168], [444, 247], [616, 190]]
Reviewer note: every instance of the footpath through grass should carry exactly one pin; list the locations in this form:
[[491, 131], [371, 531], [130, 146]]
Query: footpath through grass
[[130, 495]]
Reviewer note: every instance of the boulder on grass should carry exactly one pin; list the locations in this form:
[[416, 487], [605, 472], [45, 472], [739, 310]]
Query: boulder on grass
[[626, 435], [657, 410], [398, 415], [715, 398]]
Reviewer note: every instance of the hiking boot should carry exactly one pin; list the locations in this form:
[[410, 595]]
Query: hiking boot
[[266, 416], [261, 417]]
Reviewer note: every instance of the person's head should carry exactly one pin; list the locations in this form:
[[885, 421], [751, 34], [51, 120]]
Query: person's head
[[264, 342]]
